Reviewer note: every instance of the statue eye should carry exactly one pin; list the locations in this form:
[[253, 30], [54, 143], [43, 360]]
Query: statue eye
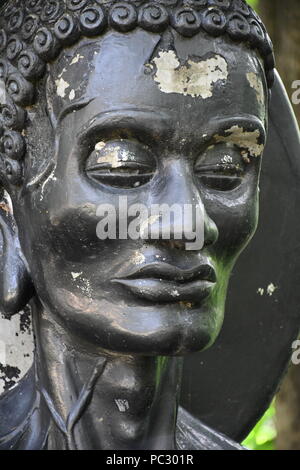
[[220, 177], [220, 183], [121, 163]]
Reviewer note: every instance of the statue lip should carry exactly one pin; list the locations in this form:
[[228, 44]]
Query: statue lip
[[158, 290], [162, 282], [168, 272]]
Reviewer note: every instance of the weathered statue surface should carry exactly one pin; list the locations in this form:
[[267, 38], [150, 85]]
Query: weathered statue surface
[[164, 102]]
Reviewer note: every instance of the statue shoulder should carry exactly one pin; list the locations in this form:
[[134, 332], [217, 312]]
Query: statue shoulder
[[23, 420], [192, 434]]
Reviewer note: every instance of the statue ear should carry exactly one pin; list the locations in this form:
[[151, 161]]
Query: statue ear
[[16, 288]]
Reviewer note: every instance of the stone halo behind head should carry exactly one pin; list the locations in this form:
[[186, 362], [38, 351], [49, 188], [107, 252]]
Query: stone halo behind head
[[33, 32]]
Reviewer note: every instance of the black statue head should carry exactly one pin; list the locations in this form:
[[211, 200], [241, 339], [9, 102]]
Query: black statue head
[[161, 102]]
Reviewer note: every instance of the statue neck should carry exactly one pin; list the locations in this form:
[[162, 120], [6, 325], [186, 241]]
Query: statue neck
[[103, 401]]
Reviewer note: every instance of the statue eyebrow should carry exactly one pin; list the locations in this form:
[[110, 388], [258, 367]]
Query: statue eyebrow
[[235, 129], [74, 106], [244, 124], [245, 132], [146, 120], [82, 103]]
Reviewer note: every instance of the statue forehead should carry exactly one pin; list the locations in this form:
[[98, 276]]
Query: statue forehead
[[34, 33], [145, 69]]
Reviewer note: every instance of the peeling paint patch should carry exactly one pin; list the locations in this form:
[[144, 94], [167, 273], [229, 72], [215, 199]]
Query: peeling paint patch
[[9, 375], [99, 146], [244, 139], [61, 87], [122, 405], [62, 72], [139, 258], [76, 59], [271, 289], [193, 79], [25, 321], [227, 159], [86, 288], [111, 157], [72, 95], [114, 156], [76, 275], [256, 83], [16, 348]]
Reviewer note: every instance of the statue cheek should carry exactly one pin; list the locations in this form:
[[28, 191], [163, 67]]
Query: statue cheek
[[237, 224], [76, 225]]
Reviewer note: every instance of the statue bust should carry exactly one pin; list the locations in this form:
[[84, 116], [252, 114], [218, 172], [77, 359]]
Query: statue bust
[[158, 102]]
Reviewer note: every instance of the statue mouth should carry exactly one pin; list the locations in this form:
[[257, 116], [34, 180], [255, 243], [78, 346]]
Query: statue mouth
[[162, 282], [157, 290]]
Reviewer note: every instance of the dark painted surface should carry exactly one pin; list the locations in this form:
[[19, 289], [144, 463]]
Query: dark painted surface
[[237, 377]]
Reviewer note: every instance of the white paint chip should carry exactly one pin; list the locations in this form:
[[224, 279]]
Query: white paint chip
[[139, 258], [62, 72], [76, 275], [72, 95], [99, 146], [122, 405], [16, 346], [247, 140], [86, 288], [62, 86], [76, 59], [256, 83], [271, 289], [115, 157], [193, 79], [227, 159]]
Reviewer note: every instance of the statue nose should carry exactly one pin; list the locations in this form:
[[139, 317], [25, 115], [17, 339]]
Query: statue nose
[[180, 211]]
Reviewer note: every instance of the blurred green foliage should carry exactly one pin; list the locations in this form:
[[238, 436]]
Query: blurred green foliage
[[253, 3], [263, 435]]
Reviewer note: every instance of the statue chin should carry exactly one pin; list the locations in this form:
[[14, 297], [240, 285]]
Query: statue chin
[[114, 112], [156, 330]]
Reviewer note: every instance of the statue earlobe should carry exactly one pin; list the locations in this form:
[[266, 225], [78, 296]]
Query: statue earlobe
[[16, 288]]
